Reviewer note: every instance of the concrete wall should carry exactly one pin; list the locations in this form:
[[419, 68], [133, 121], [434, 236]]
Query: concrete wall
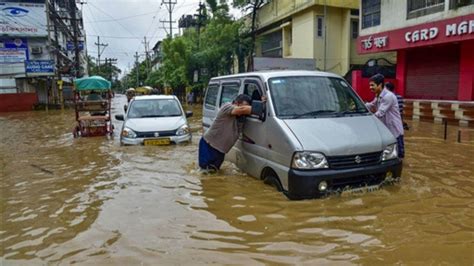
[[393, 15], [17, 102], [336, 53], [303, 35]]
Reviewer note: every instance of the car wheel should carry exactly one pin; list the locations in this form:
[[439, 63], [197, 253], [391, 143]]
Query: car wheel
[[272, 180]]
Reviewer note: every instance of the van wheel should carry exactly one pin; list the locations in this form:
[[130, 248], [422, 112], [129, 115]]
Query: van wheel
[[272, 180]]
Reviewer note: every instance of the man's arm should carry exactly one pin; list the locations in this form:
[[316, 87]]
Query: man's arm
[[242, 110], [385, 104], [372, 105]]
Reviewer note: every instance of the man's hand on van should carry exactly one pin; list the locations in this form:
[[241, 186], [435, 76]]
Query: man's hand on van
[[242, 110], [264, 98]]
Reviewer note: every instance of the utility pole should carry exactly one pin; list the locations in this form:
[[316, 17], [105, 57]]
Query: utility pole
[[325, 34], [111, 62], [72, 10], [147, 58], [200, 20], [99, 52], [137, 66], [170, 6]]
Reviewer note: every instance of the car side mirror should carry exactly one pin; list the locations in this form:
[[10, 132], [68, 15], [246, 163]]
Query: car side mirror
[[258, 108], [125, 107], [189, 114], [119, 117]]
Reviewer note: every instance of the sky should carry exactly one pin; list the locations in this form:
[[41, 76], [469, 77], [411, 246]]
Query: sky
[[123, 24]]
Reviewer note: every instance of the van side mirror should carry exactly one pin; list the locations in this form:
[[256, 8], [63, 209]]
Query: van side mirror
[[119, 117], [189, 114], [125, 107], [258, 108]]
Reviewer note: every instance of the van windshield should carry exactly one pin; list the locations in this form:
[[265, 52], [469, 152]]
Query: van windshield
[[154, 108], [311, 96]]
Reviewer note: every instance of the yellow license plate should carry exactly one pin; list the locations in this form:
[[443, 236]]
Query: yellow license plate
[[156, 142]]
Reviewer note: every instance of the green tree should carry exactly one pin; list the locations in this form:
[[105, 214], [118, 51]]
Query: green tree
[[254, 6], [108, 71]]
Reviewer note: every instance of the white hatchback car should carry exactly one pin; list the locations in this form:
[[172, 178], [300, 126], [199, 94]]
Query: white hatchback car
[[154, 120]]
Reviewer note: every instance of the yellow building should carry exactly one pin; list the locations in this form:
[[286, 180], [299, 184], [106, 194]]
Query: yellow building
[[323, 30]]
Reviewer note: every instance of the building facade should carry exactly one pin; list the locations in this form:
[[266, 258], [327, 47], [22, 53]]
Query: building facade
[[38, 52], [323, 31], [433, 41]]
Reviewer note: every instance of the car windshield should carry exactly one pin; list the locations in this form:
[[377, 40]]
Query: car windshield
[[154, 108], [311, 96]]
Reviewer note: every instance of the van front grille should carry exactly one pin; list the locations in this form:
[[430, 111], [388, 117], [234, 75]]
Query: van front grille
[[151, 134], [356, 160]]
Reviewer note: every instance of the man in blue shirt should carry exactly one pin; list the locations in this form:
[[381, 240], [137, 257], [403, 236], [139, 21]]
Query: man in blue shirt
[[389, 85]]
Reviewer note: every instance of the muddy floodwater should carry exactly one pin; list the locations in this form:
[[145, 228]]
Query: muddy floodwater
[[92, 202]]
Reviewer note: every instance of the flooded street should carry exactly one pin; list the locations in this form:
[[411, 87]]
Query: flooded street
[[91, 201]]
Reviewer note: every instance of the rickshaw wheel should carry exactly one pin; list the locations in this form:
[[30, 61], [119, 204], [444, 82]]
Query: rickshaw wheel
[[75, 132]]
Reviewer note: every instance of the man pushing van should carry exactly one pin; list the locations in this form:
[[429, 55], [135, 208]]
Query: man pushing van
[[223, 133]]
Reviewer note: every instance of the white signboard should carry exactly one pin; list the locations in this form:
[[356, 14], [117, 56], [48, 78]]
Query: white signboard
[[8, 56], [23, 19]]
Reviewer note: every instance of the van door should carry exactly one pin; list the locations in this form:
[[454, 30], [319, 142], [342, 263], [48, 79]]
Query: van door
[[253, 142], [209, 110]]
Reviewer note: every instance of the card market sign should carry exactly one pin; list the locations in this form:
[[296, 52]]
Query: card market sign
[[445, 31]]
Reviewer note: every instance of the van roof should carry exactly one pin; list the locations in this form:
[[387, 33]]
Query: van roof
[[151, 97], [265, 75]]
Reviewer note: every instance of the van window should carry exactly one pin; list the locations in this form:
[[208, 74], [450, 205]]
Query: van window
[[229, 92], [211, 96], [252, 90], [310, 96]]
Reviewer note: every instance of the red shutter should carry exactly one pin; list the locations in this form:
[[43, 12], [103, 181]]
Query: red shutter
[[433, 72]]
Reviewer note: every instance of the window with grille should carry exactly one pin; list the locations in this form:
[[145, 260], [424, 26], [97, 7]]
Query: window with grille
[[271, 44], [460, 3], [418, 8], [354, 29], [319, 26], [370, 13]]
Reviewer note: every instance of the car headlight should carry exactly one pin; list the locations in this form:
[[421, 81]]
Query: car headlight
[[128, 133], [309, 160], [390, 152], [184, 130]]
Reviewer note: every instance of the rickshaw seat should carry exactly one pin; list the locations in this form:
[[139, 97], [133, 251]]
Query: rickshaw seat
[[84, 106], [93, 117]]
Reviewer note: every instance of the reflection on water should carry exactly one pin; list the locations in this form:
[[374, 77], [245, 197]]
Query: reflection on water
[[91, 201]]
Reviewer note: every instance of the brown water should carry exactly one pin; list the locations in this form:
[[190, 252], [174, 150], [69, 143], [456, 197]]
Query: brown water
[[90, 201]]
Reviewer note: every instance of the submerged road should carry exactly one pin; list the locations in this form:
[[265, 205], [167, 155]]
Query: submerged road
[[91, 201]]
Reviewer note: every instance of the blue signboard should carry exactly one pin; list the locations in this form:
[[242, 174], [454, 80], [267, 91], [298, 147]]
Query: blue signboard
[[39, 66], [13, 50], [70, 46], [13, 43]]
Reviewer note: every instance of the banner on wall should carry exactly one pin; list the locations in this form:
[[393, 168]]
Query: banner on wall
[[23, 19]]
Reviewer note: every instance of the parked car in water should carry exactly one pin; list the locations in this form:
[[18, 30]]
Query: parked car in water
[[315, 137], [154, 120]]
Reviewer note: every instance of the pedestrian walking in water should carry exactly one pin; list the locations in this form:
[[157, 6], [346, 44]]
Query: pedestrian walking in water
[[389, 85], [190, 98], [385, 107], [223, 133]]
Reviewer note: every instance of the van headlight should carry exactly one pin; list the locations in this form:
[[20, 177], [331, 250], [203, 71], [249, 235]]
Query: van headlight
[[390, 152], [128, 133], [309, 160], [184, 130]]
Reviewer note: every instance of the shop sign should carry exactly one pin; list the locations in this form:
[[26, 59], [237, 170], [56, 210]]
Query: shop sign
[[378, 42], [445, 31], [70, 45], [39, 66], [12, 56], [23, 19]]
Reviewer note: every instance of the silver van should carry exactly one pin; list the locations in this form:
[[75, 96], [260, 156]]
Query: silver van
[[315, 136]]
